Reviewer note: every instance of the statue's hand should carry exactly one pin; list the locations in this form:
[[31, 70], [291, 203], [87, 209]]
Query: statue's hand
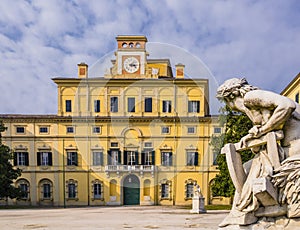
[[245, 139], [255, 131]]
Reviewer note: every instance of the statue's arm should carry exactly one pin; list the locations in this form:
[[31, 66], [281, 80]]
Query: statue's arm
[[280, 108]]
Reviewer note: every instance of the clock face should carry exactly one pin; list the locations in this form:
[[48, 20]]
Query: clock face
[[131, 64]]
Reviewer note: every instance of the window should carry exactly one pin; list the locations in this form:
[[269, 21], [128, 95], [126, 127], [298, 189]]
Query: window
[[215, 155], [167, 106], [189, 190], [114, 157], [148, 157], [96, 129], [148, 145], [71, 191], [68, 106], [72, 158], [97, 158], [131, 157], [191, 130], [21, 159], [96, 106], [166, 158], [131, 104], [70, 129], [44, 129], [44, 158], [114, 104], [164, 191], [297, 98], [217, 130], [148, 104], [165, 130], [46, 191], [192, 158], [114, 144], [24, 189], [98, 190], [20, 129], [194, 106]]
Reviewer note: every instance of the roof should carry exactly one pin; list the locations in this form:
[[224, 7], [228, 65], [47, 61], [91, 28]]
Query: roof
[[291, 85]]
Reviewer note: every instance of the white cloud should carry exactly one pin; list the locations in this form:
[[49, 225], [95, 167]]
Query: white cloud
[[41, 39]]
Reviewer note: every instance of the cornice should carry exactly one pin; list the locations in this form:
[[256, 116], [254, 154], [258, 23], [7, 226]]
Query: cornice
[[294, 83]]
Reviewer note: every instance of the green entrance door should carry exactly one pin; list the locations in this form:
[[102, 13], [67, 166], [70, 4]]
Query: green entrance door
[[131, 190]]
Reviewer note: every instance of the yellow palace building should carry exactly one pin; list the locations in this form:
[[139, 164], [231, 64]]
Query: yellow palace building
[[292, 90], [139, 135]]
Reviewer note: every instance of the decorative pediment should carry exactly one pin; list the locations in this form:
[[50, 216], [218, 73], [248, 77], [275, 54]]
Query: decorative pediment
[[97, 147], [191, 148], [44, 147], [165, 147], [21, 147]]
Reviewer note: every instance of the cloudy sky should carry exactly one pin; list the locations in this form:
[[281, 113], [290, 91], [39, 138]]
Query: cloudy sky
[[42, 39]]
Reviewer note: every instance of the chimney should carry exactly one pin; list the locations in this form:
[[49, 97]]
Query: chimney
[[179, 70], [82, 70]]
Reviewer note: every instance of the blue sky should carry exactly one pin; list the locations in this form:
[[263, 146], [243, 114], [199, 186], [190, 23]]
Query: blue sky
[[42, 39]]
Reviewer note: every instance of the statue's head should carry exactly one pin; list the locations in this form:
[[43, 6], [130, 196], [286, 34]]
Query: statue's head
[[232, 88]]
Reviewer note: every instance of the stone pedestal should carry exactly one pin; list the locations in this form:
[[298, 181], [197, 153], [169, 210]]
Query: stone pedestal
[[198, 205]]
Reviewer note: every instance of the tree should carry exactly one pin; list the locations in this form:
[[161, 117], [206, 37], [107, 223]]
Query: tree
[[236, 126], [7, 172]]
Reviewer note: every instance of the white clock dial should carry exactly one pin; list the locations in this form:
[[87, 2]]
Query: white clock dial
[[131, 64]]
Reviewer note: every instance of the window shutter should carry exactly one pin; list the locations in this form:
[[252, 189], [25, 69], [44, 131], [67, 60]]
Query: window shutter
[[76, 158], [153, 157], [119, 156], [171, 159], [69, 158], [38, 159], [196, 158], [50, 158], [15, 159], [143, 158], [125, 158], [26, 159], [136, 157], [101, 158], [187, 158], [109, 157]]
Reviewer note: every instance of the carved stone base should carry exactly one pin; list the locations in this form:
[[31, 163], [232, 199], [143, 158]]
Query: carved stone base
[[198, 205], [279, 223], [236, 217]]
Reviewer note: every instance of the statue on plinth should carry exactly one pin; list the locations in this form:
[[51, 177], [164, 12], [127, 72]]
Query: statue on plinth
[[198, 205], [268, 185]]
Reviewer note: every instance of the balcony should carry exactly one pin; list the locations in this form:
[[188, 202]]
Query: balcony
[[129, 168]]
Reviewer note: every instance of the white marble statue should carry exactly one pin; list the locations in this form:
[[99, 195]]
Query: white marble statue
[[268, 185]]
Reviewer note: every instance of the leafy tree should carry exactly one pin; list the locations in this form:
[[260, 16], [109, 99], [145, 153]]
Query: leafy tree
[[7, 172], [236, 126]]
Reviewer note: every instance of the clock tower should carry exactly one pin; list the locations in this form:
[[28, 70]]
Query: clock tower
[[131, 55]]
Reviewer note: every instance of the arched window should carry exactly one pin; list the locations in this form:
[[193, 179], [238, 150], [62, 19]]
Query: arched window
[[72, 189], [97, 190], [46, 189], [25, 188]]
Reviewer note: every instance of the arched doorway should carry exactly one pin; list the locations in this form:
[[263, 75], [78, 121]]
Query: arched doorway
[[131, 190]]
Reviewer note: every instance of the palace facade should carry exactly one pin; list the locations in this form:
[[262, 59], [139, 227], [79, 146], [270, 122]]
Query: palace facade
[[139, 135]]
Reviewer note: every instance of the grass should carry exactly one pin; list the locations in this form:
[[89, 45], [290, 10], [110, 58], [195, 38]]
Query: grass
[[218, 207]]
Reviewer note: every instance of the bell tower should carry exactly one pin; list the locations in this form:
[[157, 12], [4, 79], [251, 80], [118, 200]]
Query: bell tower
[[131, 56]]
